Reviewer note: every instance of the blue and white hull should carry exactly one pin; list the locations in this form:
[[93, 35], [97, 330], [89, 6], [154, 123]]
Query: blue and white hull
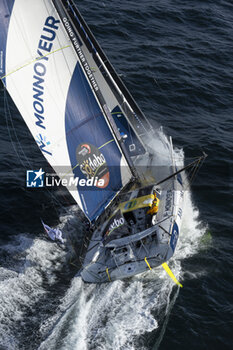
[[143, 249]]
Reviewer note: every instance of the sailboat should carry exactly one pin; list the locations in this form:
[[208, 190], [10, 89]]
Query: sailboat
[[83, 118]]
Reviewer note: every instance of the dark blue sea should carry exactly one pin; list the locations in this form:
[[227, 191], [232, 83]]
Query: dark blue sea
[[176, 58]]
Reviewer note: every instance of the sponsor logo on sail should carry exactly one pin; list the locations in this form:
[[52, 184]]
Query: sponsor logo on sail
[[77, 44], [92, 164], [40, 68]]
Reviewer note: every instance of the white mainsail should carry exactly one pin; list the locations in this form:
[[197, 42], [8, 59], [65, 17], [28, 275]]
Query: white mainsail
[[58, 97]]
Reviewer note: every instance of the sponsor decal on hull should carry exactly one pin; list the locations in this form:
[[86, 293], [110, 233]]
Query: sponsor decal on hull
[[115, 222], [174, 236]]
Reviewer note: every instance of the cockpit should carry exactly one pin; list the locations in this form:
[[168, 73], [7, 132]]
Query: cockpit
[[133, 215]]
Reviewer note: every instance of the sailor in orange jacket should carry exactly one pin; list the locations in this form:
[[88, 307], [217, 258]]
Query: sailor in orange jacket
[[155, 206]]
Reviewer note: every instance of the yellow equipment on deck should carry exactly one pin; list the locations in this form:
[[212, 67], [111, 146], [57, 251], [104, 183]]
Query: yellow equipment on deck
[[140, 202]]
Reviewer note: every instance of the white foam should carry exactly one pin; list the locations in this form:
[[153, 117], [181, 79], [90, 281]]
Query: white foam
[[21, 285], [104, 317]]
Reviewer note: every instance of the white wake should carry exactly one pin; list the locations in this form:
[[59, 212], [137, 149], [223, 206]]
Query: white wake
[[114, 316], [89, 317]]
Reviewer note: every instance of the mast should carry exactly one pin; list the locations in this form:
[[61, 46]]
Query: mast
[[76, 44]]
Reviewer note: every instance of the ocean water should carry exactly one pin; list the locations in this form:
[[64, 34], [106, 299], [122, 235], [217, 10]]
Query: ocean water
[[176, 59]]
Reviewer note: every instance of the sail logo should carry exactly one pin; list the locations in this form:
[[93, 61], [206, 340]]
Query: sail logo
[[77, 43], [43, 143], [93, 164], [86, 149], [44, 48], [35, 178]]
